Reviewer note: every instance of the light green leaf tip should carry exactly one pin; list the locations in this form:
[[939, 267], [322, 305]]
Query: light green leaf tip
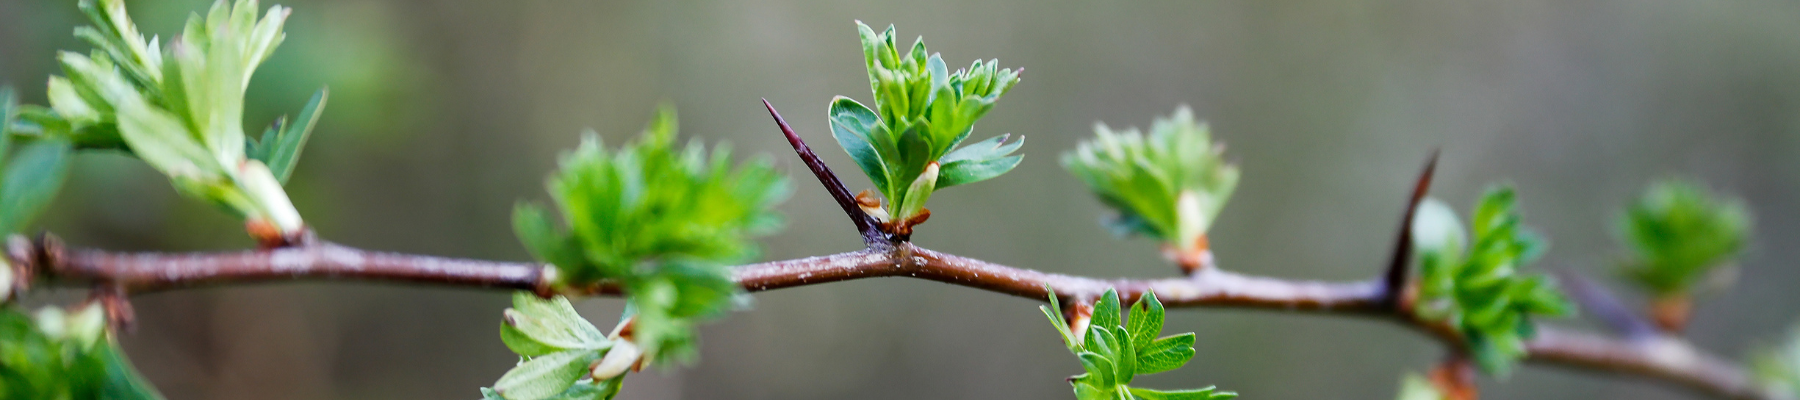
[[1168, 184]]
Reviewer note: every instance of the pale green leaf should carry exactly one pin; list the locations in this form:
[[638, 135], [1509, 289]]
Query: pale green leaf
[[542, 377]]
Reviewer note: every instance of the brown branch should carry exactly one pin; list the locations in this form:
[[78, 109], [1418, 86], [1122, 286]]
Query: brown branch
[[1668, 359]]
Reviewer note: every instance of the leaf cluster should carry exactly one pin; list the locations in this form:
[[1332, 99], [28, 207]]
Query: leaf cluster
[[180, 107], [556, 347], [1678, 232], [1115, 352], [922, 112], [659, 220], [58, 355], [1168, 184], [1484, 292], [1778, 368]]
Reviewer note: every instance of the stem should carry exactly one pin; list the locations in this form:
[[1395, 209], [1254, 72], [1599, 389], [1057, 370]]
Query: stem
[[1667, 359]]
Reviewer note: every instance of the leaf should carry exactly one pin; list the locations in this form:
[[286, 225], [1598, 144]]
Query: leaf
[[1106, 311], [855, 127], [965, 172], [1126, 356], [282, 151], [1166, 354], [1146, 320], [542, 377], [991, 149], [531, 223], [1169, 183], [1054, 313], [536, 327], [1194, 394], [31, 181], [1098, 367]]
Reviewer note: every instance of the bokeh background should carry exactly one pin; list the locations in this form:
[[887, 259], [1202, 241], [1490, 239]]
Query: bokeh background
[[445, 113]]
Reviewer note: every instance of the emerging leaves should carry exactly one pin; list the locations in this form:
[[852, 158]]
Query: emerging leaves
[[181, 108], [662, 222], [59, 354], [922, 112], [1114, 353], [556, 348], [1483, 293], [1169, 184], [1678, 233], [1778, 368]]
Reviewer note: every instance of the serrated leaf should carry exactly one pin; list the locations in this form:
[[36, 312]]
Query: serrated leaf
[[281, 152], [1166, 354], [536, 327], [1193, 394], [31, 181], [1146, 320], [542, 377], [531, 223]]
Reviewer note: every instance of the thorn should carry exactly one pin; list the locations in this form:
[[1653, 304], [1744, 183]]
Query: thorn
[[1397, 272], [865, 224]]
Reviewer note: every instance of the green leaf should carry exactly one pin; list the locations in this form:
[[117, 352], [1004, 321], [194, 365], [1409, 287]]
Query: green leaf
[[1194, 394], [1415, 387], [1106, 311], [1126, 356], [1166, 354], [1146, 320], [542, 377], [857, 130], [531, 223], [1169, 184], [921, 112], [1053, 312], [1679, 233], [31, 181], [1485, 293], [280, 147], [536, 327], [1777, 368], [1099, 367]]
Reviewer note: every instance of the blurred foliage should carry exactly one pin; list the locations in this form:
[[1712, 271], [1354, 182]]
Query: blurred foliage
[[922, 111], [1115, 352], [1778, 368], [1484, 292], [555, 347], [1678, 233], [1168, 185], [179, 108], [1415, 387], [58, 355], [661, 221]]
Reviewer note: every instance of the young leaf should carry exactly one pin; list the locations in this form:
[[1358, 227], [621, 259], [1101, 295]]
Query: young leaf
[[31, 181], [1106, 311], [922, 111], [1484, 293], [1168, 184], [1678, 233], [280, 146], [542, 377], [1146, 320], [1778, 368], [535, 327], [1166, 354]]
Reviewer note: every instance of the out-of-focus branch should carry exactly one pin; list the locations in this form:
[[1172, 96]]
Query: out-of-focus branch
[[1668, 359]]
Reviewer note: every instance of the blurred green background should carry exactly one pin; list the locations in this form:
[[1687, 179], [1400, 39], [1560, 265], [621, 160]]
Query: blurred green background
[[444, 113]]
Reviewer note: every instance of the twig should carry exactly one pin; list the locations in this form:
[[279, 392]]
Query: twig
[[1670, 360], [865, 224]]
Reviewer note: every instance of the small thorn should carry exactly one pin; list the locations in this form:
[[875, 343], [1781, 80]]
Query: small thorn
[[1397, 272]]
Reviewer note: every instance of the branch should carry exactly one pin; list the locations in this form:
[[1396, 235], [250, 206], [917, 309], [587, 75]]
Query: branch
[[1669, 360], [865, 224]]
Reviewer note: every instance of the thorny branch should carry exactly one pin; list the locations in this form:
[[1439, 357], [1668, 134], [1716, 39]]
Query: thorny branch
[[1660, 357]]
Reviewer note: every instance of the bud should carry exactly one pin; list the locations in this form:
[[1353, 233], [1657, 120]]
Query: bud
[[623, 356]]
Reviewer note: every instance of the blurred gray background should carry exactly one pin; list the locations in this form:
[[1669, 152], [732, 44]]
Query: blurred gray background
[[444, 113]]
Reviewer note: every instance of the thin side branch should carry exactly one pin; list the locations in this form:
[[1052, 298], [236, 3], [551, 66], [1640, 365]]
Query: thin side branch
[[1668, 360], [865, 224]]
